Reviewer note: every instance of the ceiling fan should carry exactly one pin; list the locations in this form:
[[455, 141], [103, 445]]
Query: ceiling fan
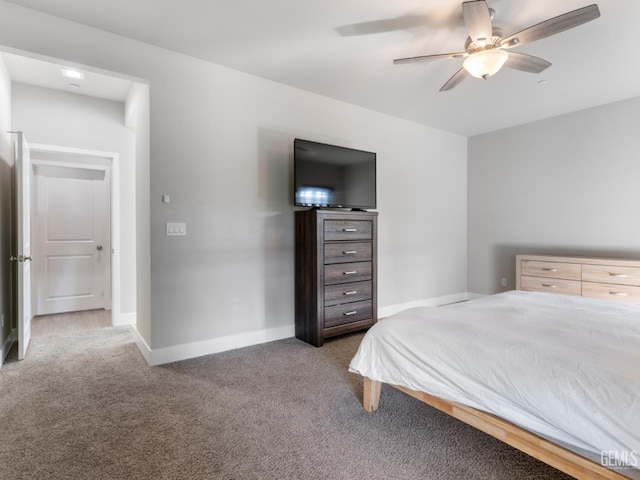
[[487, 50]]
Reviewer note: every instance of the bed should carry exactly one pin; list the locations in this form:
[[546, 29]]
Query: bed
[[555, 376]]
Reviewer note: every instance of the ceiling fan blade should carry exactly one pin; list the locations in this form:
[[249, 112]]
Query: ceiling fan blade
[[526, 63], [459, 76], [382, 26], [423, 58], [477, 18], [552, 26]]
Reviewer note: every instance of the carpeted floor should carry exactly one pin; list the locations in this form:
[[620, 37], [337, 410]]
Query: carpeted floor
[[86, 406]]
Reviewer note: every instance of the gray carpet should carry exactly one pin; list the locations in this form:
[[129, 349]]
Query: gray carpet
[[87, 406]]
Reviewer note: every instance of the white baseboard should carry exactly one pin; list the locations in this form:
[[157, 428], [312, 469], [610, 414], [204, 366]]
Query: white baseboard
[[473, 296], [176, 353], [125, 319], [144, 348], [160, 356]]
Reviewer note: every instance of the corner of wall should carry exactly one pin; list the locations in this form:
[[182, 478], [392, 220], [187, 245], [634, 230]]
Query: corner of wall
[[6, 345], [5, 114], [137, 117], [6, 201]]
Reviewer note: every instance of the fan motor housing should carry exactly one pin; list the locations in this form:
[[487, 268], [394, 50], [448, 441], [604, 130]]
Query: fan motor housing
[[498, 34]]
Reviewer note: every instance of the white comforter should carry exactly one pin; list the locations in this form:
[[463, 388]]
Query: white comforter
[[567, 368]]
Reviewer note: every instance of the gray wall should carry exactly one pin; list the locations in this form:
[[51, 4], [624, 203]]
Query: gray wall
[[564, 185], [222, 147]]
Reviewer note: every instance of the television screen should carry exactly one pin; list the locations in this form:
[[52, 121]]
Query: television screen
[[332, 177]]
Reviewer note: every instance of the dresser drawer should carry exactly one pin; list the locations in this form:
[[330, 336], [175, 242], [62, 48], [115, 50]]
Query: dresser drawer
[[347, 292], [348, 230], [347, 252], [347, 313], [551, 285], [347, 272], [607, 291], [568, 271], [611, 274]]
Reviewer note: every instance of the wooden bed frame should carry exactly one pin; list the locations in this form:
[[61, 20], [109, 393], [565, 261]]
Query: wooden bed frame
[[558, 457]]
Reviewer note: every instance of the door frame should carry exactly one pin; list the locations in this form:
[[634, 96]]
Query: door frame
[[114, 161]]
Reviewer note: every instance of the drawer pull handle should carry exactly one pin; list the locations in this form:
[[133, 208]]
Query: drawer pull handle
[[548, 269], [618, 275], [352, 272], [349, 252], [548, 285], [352, 292], [618, 294], [348, 314], [349, 229]]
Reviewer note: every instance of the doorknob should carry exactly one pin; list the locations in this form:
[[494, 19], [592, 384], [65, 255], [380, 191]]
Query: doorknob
[[99, 247], [28, 257]]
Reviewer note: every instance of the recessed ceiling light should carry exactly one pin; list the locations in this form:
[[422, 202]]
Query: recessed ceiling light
[[70, 73], [74, 85]]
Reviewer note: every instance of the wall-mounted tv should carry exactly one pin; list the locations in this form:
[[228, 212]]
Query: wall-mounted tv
[[329, 176]]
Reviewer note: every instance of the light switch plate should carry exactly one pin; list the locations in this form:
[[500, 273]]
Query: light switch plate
[[176, 229]]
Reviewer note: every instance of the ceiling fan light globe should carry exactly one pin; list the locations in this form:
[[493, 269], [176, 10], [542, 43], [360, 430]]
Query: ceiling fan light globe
[[485, 63]]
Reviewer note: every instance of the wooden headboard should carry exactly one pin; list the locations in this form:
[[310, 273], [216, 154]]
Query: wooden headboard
[[612, 279]]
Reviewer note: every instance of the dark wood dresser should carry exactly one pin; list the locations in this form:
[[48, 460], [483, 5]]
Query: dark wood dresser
[[335, 273]]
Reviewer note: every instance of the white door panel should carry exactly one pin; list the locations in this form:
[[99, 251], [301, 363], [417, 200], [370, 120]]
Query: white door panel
[[23, 248], [77, 272], [69, 204], [73, 245]]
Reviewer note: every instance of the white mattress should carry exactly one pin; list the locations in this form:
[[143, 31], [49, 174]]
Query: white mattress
[[567, 368]]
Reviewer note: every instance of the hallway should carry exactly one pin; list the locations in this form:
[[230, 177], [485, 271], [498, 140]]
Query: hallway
[[61, 323]]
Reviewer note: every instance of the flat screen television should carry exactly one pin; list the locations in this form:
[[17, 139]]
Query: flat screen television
[[329, 176]]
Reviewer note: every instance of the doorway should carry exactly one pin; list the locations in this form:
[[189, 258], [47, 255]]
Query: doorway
[[108, 111], [75, 230]]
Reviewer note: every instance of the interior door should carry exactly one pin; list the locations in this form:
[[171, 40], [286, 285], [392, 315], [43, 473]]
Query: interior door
[[22, 170], [71, 248]]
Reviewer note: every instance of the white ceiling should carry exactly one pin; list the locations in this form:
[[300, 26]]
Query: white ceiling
[[48, 74], [344, 49]]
